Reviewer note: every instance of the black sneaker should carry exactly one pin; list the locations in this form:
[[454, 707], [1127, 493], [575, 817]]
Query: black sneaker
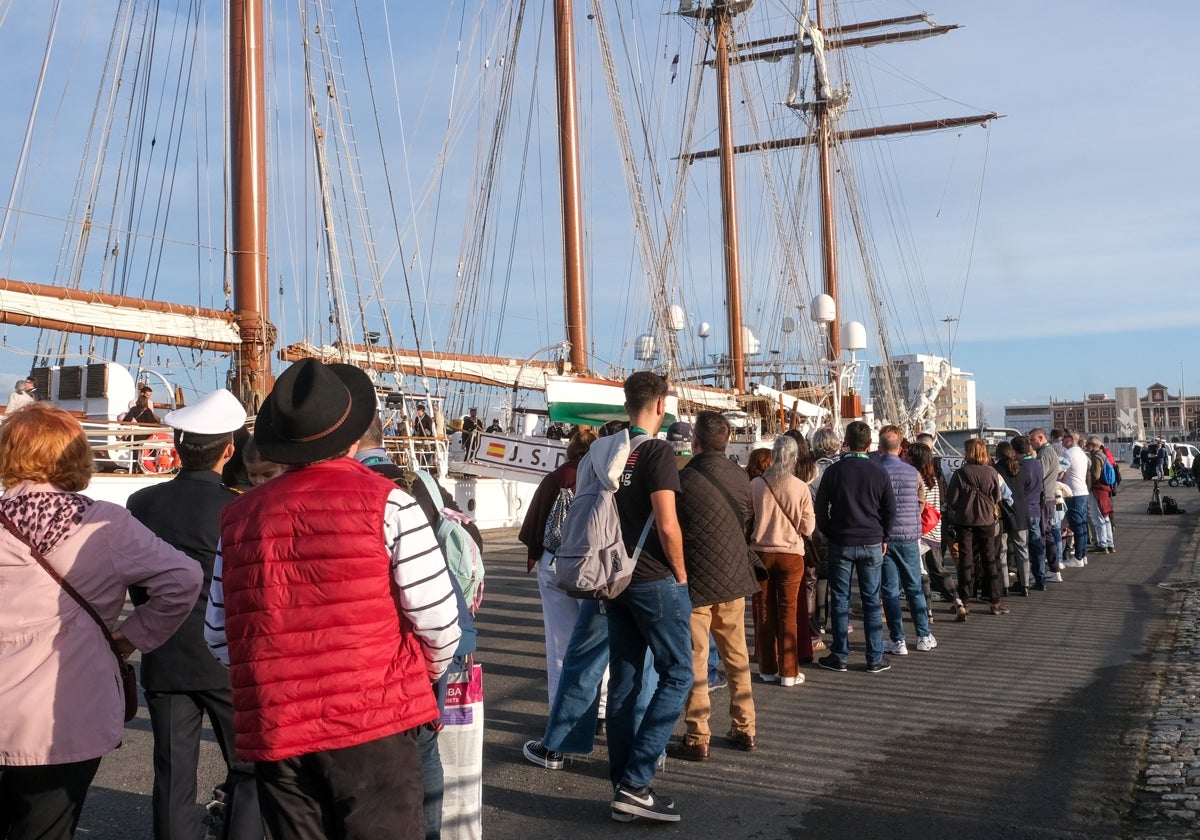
[[831, 663], [537, 753], [643, 802], [876, 667]]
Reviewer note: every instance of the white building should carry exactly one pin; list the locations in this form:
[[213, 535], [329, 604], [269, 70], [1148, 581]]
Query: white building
[[915, 377]]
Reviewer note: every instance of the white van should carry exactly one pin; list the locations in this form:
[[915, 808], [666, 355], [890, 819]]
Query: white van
[[1187, 453]]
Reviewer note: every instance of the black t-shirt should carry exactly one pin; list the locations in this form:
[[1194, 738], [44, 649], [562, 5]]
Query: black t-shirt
[[652, 469]]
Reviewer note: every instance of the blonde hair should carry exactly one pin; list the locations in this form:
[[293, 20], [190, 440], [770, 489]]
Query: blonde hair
[[46, 445]]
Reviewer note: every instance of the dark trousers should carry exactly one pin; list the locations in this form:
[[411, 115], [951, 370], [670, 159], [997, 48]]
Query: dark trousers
[[976, 544], [176, 719], [435, 781], [44, 801], [369, 791]]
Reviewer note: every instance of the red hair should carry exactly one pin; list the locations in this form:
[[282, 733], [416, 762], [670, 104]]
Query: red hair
[[46, 445]]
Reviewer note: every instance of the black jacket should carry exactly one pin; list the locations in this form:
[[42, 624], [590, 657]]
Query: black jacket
[[185, 512], [715, 551]]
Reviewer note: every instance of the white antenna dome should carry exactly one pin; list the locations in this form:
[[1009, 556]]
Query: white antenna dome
[[824, 309], [704, 330], [854, 336], [751, 346], [789, 325], [676, 317]]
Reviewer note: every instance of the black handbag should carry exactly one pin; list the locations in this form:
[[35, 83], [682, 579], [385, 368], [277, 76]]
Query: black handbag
[[128, 675], [1008, 517]]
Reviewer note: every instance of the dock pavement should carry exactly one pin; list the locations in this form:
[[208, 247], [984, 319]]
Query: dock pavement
[[1077, 716]]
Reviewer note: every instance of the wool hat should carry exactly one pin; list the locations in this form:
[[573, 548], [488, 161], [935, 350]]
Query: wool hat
[[314, 412], [218, 413], [679, 431]]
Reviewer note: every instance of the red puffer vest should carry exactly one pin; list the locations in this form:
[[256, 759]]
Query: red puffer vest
[[320, 656]]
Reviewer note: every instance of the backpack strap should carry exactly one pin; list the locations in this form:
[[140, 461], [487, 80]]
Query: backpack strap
[[634, 443]]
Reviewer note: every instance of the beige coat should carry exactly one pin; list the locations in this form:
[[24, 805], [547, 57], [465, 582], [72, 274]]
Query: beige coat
[[59, 685]]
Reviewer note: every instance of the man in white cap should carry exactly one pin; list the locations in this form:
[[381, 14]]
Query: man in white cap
[[181, 680], [333, 607]]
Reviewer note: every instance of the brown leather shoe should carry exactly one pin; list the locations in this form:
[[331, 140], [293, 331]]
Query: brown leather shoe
[[687, 752], [744, 741]]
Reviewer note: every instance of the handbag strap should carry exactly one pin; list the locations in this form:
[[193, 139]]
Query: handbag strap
[[11, 527]]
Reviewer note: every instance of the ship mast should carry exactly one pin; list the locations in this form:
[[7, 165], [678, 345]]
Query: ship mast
[[829, 263], [723, 13], [572, 215], [248, 187]]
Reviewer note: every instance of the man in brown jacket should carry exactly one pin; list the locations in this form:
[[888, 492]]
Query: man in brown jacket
[[715, 510]]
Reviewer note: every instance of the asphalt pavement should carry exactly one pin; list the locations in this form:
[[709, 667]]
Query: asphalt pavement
[[1030, 725]]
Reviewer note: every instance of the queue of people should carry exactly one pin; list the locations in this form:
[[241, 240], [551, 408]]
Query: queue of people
[[243, 607], [828, 511]]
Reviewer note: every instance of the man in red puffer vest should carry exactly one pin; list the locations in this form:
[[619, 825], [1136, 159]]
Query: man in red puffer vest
[[334, 610]]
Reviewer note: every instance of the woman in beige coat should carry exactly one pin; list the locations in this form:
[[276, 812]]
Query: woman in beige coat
[[783, 517]]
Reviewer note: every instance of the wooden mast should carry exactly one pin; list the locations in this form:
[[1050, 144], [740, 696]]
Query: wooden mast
[[829, 264], [248, 187], [572, 213], [733, 280]]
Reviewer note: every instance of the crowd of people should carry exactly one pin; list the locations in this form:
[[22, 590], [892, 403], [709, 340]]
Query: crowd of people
[[788, 533], [325, 682]]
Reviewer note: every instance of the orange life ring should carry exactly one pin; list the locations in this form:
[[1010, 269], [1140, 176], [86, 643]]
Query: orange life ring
[[158, 458]]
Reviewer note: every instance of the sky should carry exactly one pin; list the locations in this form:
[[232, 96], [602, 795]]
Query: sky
[[1062, 239]]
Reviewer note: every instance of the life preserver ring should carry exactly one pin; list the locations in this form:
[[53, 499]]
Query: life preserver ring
[[158, 454]]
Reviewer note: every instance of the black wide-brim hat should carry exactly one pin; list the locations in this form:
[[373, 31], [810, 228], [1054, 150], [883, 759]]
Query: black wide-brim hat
[[314, 412]]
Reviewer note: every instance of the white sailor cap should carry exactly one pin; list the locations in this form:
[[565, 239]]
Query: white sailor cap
[[217, 413]]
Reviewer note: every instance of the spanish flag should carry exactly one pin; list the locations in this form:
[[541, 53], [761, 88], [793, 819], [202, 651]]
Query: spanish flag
[[495, 450]]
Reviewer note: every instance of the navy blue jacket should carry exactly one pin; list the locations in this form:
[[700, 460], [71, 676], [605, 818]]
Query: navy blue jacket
[[855, 502]]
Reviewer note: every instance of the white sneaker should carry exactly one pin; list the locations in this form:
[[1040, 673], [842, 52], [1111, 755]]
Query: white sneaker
[[895, 648], [925, 643], [769, 678], [788, 682], [1083, 560], [1054, 577], [1075, 564]]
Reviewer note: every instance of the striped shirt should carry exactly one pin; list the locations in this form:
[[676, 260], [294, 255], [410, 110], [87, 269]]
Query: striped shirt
[[423, 591]]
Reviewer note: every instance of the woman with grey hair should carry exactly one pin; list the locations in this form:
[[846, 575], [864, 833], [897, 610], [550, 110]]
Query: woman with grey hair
[[783, 517]]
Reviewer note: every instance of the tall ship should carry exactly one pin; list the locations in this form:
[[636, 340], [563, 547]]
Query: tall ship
[[505, 206]]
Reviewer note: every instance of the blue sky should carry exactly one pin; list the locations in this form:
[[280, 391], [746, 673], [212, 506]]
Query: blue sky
[[1075, 276]]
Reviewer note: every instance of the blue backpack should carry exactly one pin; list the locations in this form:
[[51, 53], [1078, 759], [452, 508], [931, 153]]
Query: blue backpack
[[1108, 475]]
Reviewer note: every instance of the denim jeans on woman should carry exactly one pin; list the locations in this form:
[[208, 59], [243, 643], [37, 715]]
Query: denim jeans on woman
[[649, 617], [1037, 552], [844, 560]]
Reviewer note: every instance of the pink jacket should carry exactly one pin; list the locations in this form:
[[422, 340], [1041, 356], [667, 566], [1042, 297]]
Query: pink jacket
[[782, 518], [59, 685]]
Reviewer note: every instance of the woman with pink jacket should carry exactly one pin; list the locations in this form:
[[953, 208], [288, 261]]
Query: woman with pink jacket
[[783, 517], [60, 683]]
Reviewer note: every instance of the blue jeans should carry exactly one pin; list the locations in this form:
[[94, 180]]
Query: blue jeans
[[844, 560], [571, 727], [435, 782], [649, 617], [1101, 524], [1077, 518], [1037, 552], [902, 567]]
